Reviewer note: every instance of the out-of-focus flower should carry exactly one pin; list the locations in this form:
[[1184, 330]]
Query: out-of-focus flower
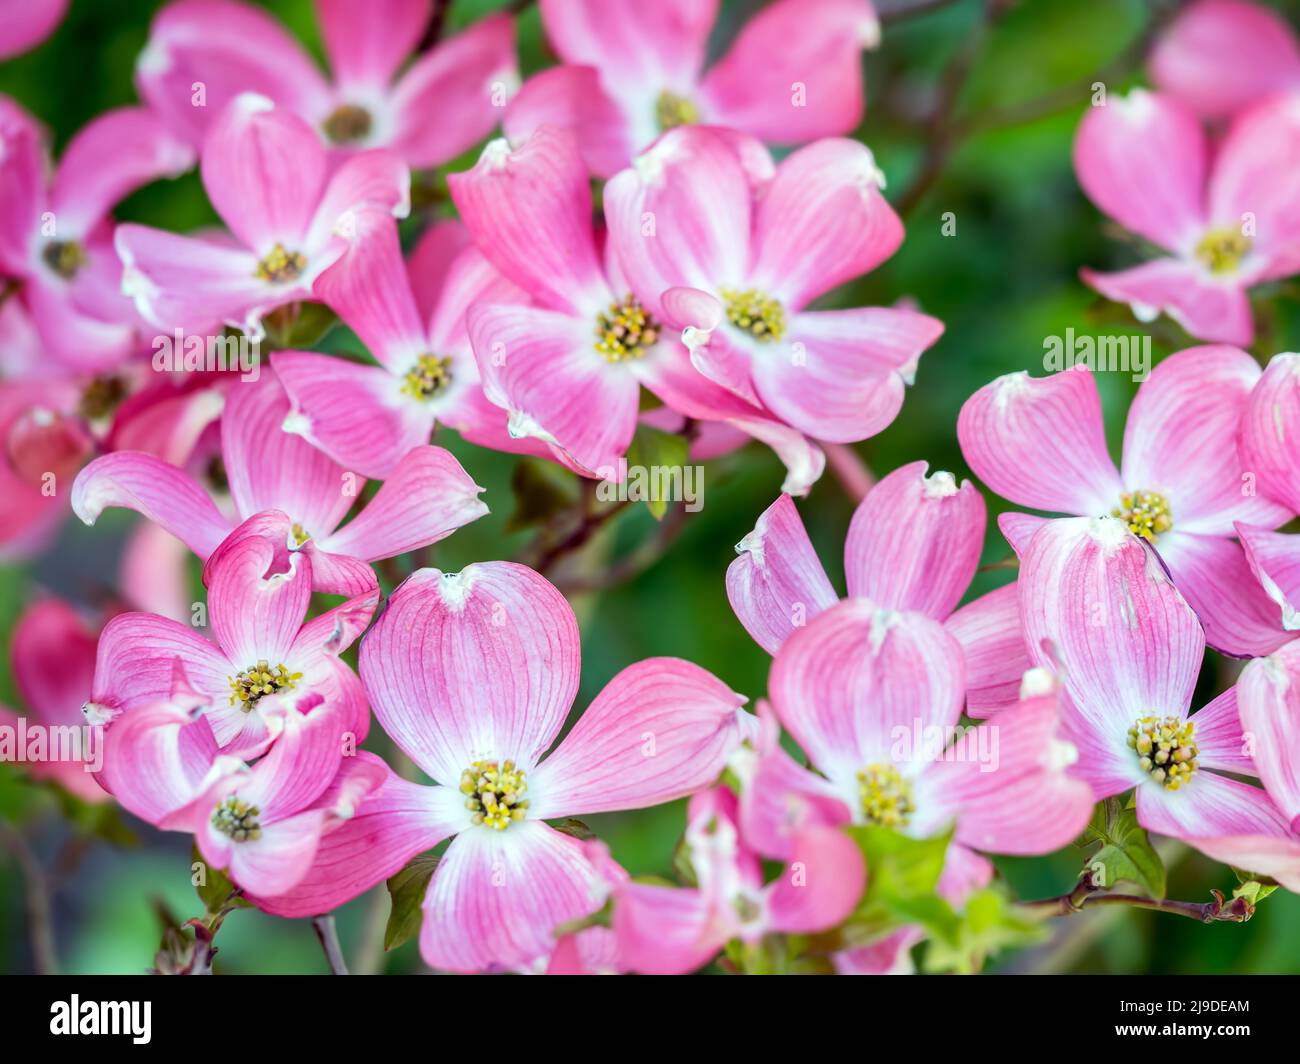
[[1040, 442], [472, 674], [203, 53], [26, 23], [1218, 57], [1228, 216], [56, 234], [633, 70], [707, 247], [426, 498], [914, 544], [269, 178]]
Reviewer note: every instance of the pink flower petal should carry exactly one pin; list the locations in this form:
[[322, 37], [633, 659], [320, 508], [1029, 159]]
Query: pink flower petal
[[1209, 806], [776, 584], [1040, 442], [1209, 309], [25, 25], [572, 97], [1272, 854], [480, 664], [1274, 560], [1141, 159], [372, 182], [1269, 429], [301, 763], [22, 186], [1268, 696], [822, 884], [367, 45], [154, 572], [277, 861], [664, 930], [993, 645], [53, 655], [1219, 735], [136, 660], [257, 597], [914, 542]]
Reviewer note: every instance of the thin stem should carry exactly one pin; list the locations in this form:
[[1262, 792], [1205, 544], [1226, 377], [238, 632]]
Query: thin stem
[[36, 895], [1086, 894], [328, 934]]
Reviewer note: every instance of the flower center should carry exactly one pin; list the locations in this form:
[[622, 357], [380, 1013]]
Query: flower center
[[251, 685], [625, 330], [755, 313], [431, 376], [300, 534], [885, 795], [1145, 512], [1165, 749], [672, 110], [1222, 250], [347, 123], [281, 266], [64, 257], [494, 793], [238, 819], [102, 396]]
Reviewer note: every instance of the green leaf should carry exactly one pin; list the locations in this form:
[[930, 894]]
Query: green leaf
[[541, 490], [1253, 889], [989, 922], [215, 889], [298, 325], [575, 828], [1126, 853], [407, 890], [653, 449]]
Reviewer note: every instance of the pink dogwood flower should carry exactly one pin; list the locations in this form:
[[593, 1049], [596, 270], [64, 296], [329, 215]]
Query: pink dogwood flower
[[1099, 606], [26, 23], [1040, 442], [913, 544], [663, 930], [411, 317], [56, 233], [472, 674], [710, 245], [1227, 216], [428, 496], [270, 180], [445, 101], [633, 70], [265, 652], [1218, 57]]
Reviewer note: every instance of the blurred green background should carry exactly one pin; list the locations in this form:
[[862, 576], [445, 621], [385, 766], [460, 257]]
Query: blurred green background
[[1002, 283]]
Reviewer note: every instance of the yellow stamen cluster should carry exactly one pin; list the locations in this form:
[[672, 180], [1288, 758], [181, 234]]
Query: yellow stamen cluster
[[431, 376], [251, 685], [300, 534], [64, 257], [755, 313], [672, 110], [494, 793], [1166, 749], [885, 795], [238, 819], [102, 396], [347, 123], [1223, 249], [281, 266], [1145, 512], [625, 331]]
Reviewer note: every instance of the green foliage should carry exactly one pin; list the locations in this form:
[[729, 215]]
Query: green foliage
[[407, 890], [1125, 853], [653, 448]]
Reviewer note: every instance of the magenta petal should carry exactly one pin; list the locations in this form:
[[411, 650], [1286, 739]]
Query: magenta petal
[[53, 655], [372, 182], [156, 489], [1274, 559], [1268, 695], [367, 44], [278, 860], [659, 730], [1210, 310], [1209, 806], [1219, 737], [258, 597], [915, 540], [302, 762], [664, 930], [776, 584], [472, 665], [1040, 442], [136, 661], [1275, 854], [24, 25], [572, 97], [993, 645], [821, 885], [1269, 429]]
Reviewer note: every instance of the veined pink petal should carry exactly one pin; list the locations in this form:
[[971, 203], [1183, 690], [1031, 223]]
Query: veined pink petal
[[462, 84], [270, 469], [822, 221], [301, 763], [110, 157], [1097, 604], [480, 664], [1215, 576], [367, 44], [257, 598], [572, 97], [822, 884], [914, 542], [993, 645], [1141, 158], [529, 210], [53, 655], [1270, 429], [470, 279], [278, 860], [1219, 737], [1219, 56], [1209, 309], [804, 461], [263, 168], [25, 25], [536, 364], [664, 930], [338, 574], [1268, 696], [154, 573], [843, 684], [22, 186], [331, 633], [370, 182], [776, 584], [156, 489], [497, 897], [1181, 440], [891, 955], [81, 341], [1209, 806], [427, 498], [135, 662], [229, 48], [1040, 442], [429, 263], [794, 72], [390, 826], [659, 730], [1272, 854], [1274, 560], [355, 414]]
